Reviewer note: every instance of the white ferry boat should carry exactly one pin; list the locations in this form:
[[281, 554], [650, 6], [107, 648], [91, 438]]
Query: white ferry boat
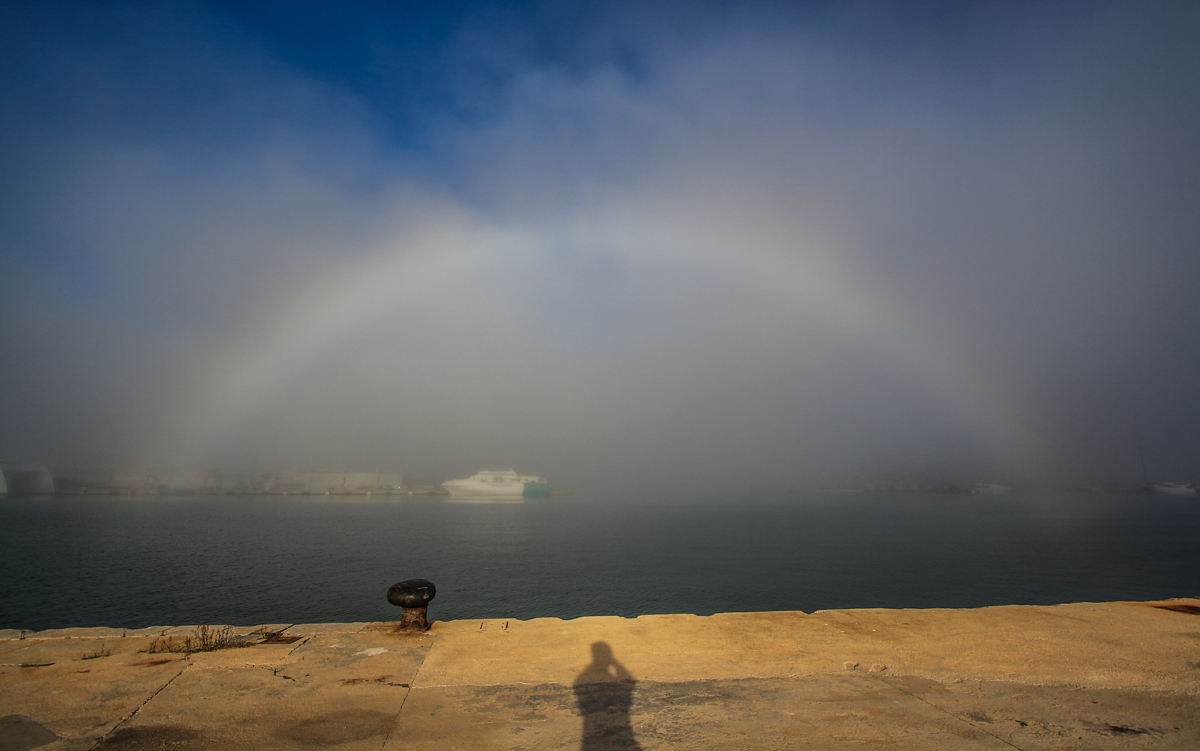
[[1172, 488], [991, 488], [498, 484]]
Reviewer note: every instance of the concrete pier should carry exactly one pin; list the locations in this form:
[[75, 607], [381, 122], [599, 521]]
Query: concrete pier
[[1082, 676]]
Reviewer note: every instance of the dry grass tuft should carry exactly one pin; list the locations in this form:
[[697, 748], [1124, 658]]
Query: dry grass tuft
[[204, 639], [104, 651]]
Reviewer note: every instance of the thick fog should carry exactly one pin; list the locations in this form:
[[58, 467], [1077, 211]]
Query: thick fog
[[699, 247]]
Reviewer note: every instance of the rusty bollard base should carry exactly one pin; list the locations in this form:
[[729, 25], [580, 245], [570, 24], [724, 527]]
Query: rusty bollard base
[[412, 596], [413, 620]]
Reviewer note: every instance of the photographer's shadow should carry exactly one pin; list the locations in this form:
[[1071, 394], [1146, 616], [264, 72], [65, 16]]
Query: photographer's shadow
[[604, 693]]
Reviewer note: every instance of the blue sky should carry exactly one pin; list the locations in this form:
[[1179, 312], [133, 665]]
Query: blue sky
[[786, 241]]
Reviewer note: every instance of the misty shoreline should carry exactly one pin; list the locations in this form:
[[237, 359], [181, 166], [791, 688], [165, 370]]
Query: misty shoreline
[[37, 480]]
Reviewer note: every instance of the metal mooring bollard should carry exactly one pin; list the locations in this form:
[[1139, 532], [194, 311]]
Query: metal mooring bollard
[[412, 596]]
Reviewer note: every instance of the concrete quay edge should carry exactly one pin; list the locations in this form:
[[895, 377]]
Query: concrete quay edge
[[1081, 675], [1122, 643]]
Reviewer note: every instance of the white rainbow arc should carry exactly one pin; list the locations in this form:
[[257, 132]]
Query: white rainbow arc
[[815, 284], [425, 263], [309, 322]]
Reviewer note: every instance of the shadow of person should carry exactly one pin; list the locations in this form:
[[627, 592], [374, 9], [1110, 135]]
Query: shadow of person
[[604, 693]]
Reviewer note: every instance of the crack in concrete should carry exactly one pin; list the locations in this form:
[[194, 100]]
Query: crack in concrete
[[21, 646], [408, 690], [138, 708], [948, 713]]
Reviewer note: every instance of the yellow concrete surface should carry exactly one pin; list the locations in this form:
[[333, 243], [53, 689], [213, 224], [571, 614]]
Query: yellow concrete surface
[[1080, 676], [1107, 645]]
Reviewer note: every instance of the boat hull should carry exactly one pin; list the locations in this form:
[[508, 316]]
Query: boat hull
[[470, 489]]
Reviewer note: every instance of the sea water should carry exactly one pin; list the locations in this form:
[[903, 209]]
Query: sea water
[[134, 562]]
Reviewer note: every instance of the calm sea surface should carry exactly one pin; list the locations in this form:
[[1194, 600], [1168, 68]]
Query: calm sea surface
[[158, 561]]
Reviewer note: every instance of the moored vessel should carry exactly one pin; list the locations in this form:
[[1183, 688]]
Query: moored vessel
[[491, 483], [1171, 488]]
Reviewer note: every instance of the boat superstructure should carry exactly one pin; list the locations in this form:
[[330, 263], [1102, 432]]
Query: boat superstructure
[[1172, 488], [491, 483]]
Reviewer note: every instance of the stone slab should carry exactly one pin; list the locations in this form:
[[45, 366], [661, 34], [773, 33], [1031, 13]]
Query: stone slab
[[1100, 645], [79, 698], [1052, 717], [822, 712], [345, 691]]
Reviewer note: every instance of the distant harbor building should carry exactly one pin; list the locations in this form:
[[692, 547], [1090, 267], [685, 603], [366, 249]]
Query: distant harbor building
[[126, 481], [25, 479], [334, 482]]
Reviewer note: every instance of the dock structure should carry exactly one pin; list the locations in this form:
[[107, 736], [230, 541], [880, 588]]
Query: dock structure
[[1084, 676], [125, 481]]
